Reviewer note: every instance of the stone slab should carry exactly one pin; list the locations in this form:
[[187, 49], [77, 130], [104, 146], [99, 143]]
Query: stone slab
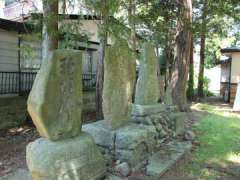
[[19, 174], [102, 134], [164, 159], [75, 158], [144, 110], [55, 101], [179, 119]]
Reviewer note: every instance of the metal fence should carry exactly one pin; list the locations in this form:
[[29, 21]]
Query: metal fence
[[21, 82]]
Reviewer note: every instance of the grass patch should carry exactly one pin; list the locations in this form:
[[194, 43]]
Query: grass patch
[[219, 137]]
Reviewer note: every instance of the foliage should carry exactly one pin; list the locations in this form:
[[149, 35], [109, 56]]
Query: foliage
[[217, 20]]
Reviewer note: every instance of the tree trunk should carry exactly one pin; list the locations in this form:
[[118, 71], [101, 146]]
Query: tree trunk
[[201, 66], [100, 78], [202, 51], [190, 92], [178, 84], [100, 66], [133, 40], [50, 27]]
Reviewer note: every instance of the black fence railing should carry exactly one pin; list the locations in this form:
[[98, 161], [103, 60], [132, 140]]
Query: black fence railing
[[21, 82]]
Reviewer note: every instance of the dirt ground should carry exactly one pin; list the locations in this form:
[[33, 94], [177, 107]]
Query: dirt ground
[[13, 144], [13, 147]]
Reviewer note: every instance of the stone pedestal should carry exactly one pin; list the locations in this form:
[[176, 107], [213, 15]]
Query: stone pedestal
[[131, 143], [71, 159], [166, 120]]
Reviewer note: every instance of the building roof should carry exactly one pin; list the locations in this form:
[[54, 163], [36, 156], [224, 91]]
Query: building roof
[[224, 60], [230, 50], [14, 26]]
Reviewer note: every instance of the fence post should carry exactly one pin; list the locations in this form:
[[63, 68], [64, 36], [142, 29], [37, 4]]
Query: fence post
[[19, 63]]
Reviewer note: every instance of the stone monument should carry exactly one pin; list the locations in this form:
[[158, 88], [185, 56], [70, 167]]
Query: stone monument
[[117, 137], [147, 89], [55, 105], [119, 79], [146, 109]]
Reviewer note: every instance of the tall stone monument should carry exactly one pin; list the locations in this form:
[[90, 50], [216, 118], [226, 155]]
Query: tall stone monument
[[55, 105], [147, 90], [146, 108], [119, 79]]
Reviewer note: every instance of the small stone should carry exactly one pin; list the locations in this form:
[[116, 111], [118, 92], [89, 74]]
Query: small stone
[[118, 162], [158, 126], [189, 135], [163, 133], [123, 169]]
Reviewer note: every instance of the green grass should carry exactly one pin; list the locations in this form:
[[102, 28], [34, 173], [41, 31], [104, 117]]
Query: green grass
[[219, 137]]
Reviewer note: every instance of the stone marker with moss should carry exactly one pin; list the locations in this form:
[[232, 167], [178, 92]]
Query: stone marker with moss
[[119, 78], [55, 105], [147, 89], [55, 101]]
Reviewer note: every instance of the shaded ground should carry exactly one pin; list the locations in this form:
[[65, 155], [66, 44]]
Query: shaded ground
[[13, 145]]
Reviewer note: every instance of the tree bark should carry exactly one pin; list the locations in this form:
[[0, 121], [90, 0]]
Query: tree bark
[[178, 84], [133, 40], [202, 49], [50, 27], [100, 78], [100, 66], [201, 66], [190, 91]]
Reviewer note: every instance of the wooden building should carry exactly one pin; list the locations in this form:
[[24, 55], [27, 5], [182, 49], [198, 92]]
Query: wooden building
[[230, 73]]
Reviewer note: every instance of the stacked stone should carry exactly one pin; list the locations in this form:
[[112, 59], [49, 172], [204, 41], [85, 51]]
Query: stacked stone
[[167, 121], [55, 105]]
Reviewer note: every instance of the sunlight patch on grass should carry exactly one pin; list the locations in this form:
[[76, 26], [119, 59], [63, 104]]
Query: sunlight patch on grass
[[219, 136], [234, 158]]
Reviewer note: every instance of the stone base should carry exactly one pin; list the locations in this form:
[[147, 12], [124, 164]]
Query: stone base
[[166, 158], [167, 121], [144, 110], [131, 143], [74, 158]]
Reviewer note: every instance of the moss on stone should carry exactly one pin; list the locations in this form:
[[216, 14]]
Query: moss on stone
[[119, 79], [147, 90]]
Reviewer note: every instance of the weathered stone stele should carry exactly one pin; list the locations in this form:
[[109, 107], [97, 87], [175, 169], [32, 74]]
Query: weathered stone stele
[[119, 78], [55, 102], [69, 159], [147, 89]]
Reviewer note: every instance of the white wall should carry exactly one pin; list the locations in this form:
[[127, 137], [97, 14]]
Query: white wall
[[214, 74], [235, 73], [8, 51]]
